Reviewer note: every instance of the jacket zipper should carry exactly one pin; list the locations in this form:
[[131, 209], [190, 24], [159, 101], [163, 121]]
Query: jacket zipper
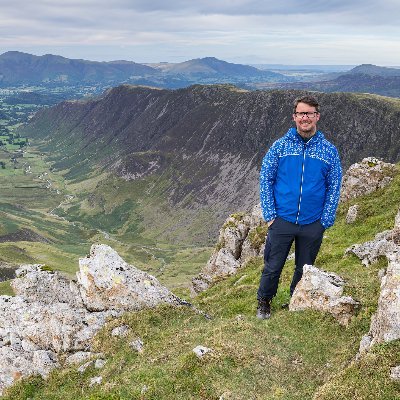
[[301, 183]]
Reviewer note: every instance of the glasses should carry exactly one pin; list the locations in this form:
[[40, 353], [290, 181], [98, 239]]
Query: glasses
[[309, 114]]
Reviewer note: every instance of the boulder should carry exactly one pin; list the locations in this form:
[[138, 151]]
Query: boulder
[[366, 177], [107, 282], [241, 237], [323, 291]]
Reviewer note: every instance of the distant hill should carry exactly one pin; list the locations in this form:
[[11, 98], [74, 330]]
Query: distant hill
[[210, 66], [366, 78], [18, 68], [374, 70]]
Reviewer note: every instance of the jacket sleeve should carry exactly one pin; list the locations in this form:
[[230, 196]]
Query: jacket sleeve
[[268, 173], [334, 182]]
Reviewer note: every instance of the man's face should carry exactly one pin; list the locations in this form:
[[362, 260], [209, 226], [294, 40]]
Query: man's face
[[306, 124]]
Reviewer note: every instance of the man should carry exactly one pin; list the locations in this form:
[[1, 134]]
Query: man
[[300, 183]]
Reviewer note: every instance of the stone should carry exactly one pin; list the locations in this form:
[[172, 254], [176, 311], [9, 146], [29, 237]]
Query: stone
[[323, 291], [100, 363], [85, 366], [137, 345], [121, 331], [17, 363], [352, 212], [107, 282], [365, 344], [385, 323], [96, 380], [201, 351], [224, 264], [384, 243], [366, 177], [200, 283], [395, 373], [78, 357], [397, 220]]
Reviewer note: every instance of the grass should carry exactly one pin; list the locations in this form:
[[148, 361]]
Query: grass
[[293, 356]]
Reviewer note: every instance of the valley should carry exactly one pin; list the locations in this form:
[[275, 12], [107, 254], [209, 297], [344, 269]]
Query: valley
[[38, 223]]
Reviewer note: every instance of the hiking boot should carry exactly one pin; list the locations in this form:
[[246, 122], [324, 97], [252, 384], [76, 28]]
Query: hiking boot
[[264, 309]]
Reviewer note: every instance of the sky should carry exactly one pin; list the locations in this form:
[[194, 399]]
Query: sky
[[298, 32]]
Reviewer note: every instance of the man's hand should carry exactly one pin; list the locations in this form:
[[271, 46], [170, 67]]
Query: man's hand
[[269, 223]]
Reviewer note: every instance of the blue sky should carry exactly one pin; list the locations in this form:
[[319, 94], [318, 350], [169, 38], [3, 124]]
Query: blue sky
[[242, 31]]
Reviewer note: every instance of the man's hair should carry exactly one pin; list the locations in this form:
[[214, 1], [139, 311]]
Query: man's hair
[[311, 101]]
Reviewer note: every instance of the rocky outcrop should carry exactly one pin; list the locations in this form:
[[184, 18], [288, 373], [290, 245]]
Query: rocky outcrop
[[385, 323], [241, 237], [366, 177], [323, 291], [384, 244], [51, 316], [107, 282]]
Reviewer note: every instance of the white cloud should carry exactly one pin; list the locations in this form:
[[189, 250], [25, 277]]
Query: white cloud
[[289, 31]]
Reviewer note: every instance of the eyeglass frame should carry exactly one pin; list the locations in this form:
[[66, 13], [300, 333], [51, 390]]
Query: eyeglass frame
[[305, 114]]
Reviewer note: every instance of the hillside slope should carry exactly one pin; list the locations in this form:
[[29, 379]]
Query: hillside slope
[[293, 356]]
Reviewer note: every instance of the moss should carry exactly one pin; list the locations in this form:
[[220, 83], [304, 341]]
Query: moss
[[46, 268], [257, 236]]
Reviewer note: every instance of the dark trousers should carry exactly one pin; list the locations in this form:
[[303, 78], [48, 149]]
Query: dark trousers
[[281, 234]]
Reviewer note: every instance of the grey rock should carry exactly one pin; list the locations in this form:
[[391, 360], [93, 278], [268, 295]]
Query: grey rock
[[36, 284], [85, 366], [96, 380], [397, 220], [78, 357], [201, 351], [107, 282], [323, 291], [200, 283], [395, 373], [122, 331], [385, 325], [137, 345], [384, 243], [365, 177], [100, 363], [234, 249], [365, 344], [352, 213]]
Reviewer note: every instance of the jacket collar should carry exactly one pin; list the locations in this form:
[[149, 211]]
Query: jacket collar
[[293, 135]]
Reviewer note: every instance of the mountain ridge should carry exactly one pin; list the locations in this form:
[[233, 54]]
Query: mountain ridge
[[198, 150]]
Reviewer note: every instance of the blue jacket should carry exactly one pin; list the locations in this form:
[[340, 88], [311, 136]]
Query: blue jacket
[[300, 181]]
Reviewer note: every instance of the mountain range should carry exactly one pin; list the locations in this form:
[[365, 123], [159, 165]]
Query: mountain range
[[189, 157], [365, 78], [17, 68]]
